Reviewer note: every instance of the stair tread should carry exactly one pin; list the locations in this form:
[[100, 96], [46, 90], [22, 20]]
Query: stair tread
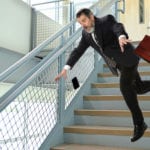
[[104, 130], [88, 147], [143, 63], [105, 85], [109, 74], [92, 112], [112, 97]]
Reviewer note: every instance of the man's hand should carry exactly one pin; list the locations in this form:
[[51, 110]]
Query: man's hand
[[123, 41], [63, 73]]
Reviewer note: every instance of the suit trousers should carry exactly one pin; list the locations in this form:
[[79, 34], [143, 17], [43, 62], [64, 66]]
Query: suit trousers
[[130, 85]]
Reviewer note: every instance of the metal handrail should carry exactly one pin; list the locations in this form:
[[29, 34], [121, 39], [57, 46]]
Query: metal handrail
[[19, 87], [33, 53]]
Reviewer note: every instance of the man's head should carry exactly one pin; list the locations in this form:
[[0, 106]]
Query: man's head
[[86, 18]]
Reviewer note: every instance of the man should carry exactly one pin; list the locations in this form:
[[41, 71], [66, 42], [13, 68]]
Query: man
[[110, 40]]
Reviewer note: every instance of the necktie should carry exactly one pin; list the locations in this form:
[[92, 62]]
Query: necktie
[[110, 63]]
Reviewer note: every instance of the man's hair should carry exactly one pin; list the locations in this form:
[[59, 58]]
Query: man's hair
[[85, 11]]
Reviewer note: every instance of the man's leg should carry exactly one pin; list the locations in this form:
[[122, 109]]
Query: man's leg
[[141, 86], [127, 79]]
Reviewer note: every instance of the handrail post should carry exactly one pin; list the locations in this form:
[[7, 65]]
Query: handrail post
[[61, 89], [33, 42], [61, 85], [119, 10], [72, 17]]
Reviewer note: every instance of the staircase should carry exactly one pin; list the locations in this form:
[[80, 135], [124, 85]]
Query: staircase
[[105, 122]]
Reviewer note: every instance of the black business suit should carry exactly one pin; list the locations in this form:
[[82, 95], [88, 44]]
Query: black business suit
[[107, 31]]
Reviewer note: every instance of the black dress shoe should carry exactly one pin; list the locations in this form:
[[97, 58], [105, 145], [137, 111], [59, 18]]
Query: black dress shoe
[[138, 132]]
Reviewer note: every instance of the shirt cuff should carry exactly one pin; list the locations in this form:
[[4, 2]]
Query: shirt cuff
[[122, 36], [67, 67]]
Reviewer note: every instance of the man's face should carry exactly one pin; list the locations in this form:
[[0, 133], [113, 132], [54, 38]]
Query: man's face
[[86, 22]]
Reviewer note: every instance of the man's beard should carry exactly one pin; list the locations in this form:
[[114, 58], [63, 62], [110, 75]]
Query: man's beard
[[91, 30]]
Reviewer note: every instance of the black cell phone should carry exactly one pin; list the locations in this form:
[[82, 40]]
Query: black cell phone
[[75, 83]]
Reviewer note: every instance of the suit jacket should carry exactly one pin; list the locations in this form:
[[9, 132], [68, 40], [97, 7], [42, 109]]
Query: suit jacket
[[107, 31]]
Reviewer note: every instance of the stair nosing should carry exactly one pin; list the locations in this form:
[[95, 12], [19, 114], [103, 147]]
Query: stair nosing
[[112, 97], [109, 74], [141, 64], [105, 85], [93, 112], [102, 130], [67, 146]]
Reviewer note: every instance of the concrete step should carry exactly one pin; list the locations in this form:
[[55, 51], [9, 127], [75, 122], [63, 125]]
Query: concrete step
[[107, 88], [112, 97], [105, 135], [143, 66], [105, 130], [119, 113], [105, 85], [113, 102], [109, 74], [88, 147], [107, 117], [109, 77]]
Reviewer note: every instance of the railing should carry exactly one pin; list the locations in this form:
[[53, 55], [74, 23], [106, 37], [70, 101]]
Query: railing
[[12, 72], [31, 109], [118, 4]]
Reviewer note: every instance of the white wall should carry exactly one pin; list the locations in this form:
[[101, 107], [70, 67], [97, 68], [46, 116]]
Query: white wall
[[130, 19], [15, 18]]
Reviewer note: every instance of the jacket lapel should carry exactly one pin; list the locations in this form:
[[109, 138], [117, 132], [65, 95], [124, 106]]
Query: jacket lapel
[[98, 31]]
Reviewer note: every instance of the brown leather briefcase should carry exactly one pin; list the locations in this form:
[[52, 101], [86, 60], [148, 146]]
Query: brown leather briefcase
[[143, 49]]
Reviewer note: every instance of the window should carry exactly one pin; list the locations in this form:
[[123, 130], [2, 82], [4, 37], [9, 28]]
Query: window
[[141, 11]]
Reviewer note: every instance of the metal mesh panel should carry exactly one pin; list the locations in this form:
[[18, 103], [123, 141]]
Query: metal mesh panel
[[27, 121], [49, 20], [45, 27]]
